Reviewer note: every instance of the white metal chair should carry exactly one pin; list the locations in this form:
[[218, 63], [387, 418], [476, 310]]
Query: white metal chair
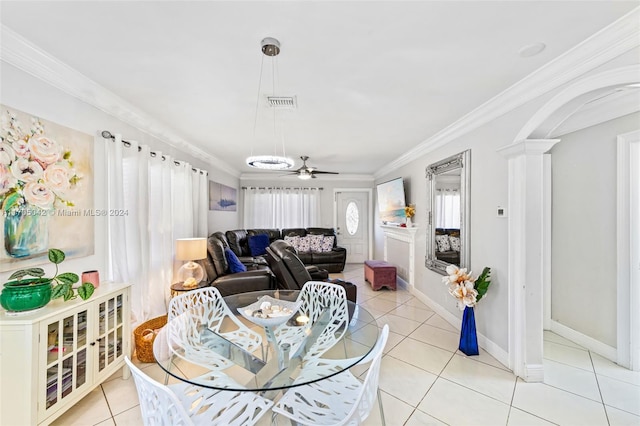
[[186, 404], [205, 309], [317, 296], [338, 400]]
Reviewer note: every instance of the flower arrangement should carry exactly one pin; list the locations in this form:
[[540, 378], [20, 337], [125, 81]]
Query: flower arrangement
[[410, 210], [35, 170], [466, 289]]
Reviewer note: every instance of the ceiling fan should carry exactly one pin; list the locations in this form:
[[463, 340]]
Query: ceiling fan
[[307, 172]]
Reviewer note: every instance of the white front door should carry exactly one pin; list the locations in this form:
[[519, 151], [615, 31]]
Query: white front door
[[352, 223]]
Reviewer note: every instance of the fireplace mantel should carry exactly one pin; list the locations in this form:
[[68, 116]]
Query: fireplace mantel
[[406, 235]]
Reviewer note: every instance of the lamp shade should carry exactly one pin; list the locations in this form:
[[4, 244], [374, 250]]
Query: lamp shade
[[191, 248]]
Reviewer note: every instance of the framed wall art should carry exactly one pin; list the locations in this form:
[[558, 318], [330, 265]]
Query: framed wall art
[[46, 190], [222, 197]]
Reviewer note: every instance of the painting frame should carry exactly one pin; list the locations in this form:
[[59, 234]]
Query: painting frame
[[222, 197], [46, 190]]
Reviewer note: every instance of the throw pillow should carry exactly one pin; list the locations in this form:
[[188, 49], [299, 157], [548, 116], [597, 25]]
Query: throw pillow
[[454, 242], [315, 243], [294, 241], [258, 244], [304, 244], [234, 263], [327, 243], [442, 241]]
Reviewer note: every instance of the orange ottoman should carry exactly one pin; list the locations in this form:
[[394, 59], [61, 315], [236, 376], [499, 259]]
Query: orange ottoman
[[380, 274]]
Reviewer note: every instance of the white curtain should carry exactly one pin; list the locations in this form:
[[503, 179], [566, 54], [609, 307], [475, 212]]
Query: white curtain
[[282, 207], [157, 193], [448, 208]]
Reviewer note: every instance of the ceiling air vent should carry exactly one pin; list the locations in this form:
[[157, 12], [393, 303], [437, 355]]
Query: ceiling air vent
[[282, 102]]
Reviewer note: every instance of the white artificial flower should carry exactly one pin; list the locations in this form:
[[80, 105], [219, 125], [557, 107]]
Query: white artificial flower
[[465, 293], [26, 171], [45, 150], [37, 194]]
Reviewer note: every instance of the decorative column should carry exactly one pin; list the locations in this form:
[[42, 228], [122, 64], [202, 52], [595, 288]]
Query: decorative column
[[407, 235], [528, 239]]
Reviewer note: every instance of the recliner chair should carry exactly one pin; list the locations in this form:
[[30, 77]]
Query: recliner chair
[[292, 274]]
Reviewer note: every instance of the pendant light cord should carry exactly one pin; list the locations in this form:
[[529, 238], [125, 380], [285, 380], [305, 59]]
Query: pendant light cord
[[255, 118]]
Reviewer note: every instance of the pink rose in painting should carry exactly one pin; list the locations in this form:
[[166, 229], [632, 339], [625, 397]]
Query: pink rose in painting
[[21, 147], [45, 150], [7, 180], [37, 194], [7, 154], [25, 170], [57, 177]]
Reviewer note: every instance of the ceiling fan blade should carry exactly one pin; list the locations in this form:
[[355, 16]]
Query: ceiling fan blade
[[324, 173]]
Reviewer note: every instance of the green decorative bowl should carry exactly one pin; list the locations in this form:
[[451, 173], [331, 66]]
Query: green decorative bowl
[[25, 295]]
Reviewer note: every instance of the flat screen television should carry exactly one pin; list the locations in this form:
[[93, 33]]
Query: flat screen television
[[391, 202]]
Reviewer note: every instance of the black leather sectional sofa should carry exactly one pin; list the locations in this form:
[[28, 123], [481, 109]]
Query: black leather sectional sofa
[[259, 275]]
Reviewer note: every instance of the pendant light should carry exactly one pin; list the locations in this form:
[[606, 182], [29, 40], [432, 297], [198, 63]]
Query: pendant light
[[270, 49]]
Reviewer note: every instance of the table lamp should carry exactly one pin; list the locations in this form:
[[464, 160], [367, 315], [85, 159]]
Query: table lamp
[[191, 249]]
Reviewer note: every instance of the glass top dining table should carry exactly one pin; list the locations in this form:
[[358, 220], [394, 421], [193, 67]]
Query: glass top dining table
[[265, 370]]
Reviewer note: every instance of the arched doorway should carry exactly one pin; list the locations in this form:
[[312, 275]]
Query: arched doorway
[[530, 219]]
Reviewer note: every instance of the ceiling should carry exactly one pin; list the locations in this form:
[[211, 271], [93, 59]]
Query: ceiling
[[372, 79]]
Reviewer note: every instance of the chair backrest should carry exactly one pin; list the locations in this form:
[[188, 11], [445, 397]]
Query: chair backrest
[[369, 391], [158, 404], [297, 271], [207, 308], [317, 296]]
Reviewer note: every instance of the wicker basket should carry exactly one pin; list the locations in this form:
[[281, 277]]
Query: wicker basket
[[144, 335]]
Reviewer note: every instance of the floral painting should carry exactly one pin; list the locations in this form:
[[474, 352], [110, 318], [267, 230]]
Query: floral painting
[[222, 197], [46, 190]]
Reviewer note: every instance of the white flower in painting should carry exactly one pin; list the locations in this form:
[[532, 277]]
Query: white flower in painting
[[25, 170], [21, 147], [57, 178], [465, 293], [7, 154], [7, 180], [37, 194], [45, 150]]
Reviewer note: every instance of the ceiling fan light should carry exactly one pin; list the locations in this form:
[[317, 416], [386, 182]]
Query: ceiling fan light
[[304, 175], [270, 162]]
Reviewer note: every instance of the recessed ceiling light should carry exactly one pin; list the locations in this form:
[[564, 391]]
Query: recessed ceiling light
[[531, 49]]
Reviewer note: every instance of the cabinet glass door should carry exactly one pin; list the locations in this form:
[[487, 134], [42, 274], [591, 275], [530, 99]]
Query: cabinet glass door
[[65, 346], [110, 331]]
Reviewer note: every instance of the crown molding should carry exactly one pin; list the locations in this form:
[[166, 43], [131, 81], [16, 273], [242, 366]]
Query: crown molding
[[605, 45], [24, 55], [335, 178]]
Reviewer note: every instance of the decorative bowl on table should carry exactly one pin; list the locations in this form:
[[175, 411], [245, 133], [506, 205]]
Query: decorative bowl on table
[[269, 312]]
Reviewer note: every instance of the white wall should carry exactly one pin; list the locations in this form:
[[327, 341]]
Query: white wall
[[584, 228], [31, 95]]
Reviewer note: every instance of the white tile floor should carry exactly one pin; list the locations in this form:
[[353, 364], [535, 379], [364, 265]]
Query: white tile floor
[[426, 381]]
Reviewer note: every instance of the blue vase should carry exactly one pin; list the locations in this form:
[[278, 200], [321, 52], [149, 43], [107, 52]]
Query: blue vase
[[468, 337], [26, 231]]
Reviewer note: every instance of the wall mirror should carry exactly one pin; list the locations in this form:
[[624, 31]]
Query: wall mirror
[[448, 183]]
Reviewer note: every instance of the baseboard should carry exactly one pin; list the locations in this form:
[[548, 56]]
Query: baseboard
[[489, 346], [533, 373], [585, 341], [400, 283]]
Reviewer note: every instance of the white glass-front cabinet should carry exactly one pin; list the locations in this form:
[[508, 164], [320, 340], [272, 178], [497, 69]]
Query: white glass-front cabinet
[[51, 358]]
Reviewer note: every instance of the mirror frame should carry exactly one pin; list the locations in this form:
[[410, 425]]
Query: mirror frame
[[462, 161]]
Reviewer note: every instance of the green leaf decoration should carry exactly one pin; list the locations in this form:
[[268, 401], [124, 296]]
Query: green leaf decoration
[[482, 283], [11, 200], [69, 294], [56, 256], [32, 272], [86, 290], [68, 278], [61, 290]]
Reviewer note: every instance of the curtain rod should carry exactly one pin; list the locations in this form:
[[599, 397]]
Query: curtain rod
[[107, 135], [277, 187]]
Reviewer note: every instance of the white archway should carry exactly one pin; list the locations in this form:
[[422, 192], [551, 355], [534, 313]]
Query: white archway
[[530, 218]]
